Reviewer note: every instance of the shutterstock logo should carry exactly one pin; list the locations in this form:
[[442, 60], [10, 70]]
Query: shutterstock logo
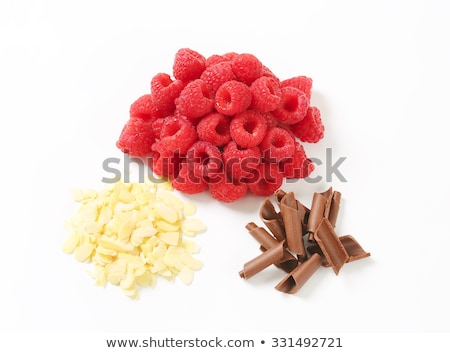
[[211, 169]]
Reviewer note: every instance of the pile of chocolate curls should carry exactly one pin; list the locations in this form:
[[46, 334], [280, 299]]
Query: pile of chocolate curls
[[300, 240]]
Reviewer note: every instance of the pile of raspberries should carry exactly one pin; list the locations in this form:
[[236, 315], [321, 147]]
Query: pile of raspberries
[[225, 124]]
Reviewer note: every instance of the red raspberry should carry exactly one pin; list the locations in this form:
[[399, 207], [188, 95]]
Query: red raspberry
[[157, 126], [143, 107], [310, 129], [267, 73], [164, 91], [233, 97], [240, 162], [246, 67], [216, 75], [205, 159], [277, 144], [271, 120], [302, 83], [136, 137], [215, 59], [178, 134], [163, 162], [248, 128], [292, 107], [298, 165], [224, 190], [188, 181], [266, 94], [188, 65], [214, 128], [266, 179], [194, 100]]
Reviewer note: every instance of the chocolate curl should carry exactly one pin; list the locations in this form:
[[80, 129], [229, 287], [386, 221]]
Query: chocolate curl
[[259, 263], [320, 208], [292, 283], [330, 245], [288, 262], [334, 207], [354, 250], [272, 220], [293, 213]]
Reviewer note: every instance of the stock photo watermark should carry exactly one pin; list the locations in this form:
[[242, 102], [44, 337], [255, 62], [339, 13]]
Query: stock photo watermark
[[211, 169]]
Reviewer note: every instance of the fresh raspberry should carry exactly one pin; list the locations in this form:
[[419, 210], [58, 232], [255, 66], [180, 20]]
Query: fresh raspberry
[[205, 159], [230, 55], [265, 180], [248, 128], [143, 107], [215, 59], [246, 67], [188, 181], [266, 94], [292, 107], [233, 97], [240, 162], [302, 83], [136, 137], [298, 165], [188, 65], [227, 191], [163, 162], [194, 100], [277, 144], [310, 129], [271, 120], [164, 91], [216, 75], [178, 134], [265, 71], [157, 126], [215, 128]]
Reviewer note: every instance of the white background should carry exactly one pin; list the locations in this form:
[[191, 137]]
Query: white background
[[70, 70]]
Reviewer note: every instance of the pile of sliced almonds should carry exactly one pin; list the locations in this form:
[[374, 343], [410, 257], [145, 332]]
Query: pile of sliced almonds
[[133, 233]]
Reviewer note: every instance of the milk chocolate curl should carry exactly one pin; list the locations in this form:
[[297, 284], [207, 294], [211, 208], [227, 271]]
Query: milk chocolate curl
[[320, 208], [293, 213], [292, 283], [354, 250], [279, 194], [331, 246], [259, 263], [272, 219], [288, 262], [334, 207]]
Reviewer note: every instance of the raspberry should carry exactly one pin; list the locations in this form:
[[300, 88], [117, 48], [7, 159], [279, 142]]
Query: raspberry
[[188, 181], [277, 144], [194, 100], [164, 91], [248, 128], [214, 128], [136, 137], [298, 165], [188, 65], [157, 126], [178, 134], [266, 179], [266, 94], [310, 129], [233, 97], [216, 75], [143, 107], [302, 83], [215, 59], [164, 163], [246, 67], [205, 159], [265, 71], [292, 107], [227, 191], [271, 120], [240, 162]]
